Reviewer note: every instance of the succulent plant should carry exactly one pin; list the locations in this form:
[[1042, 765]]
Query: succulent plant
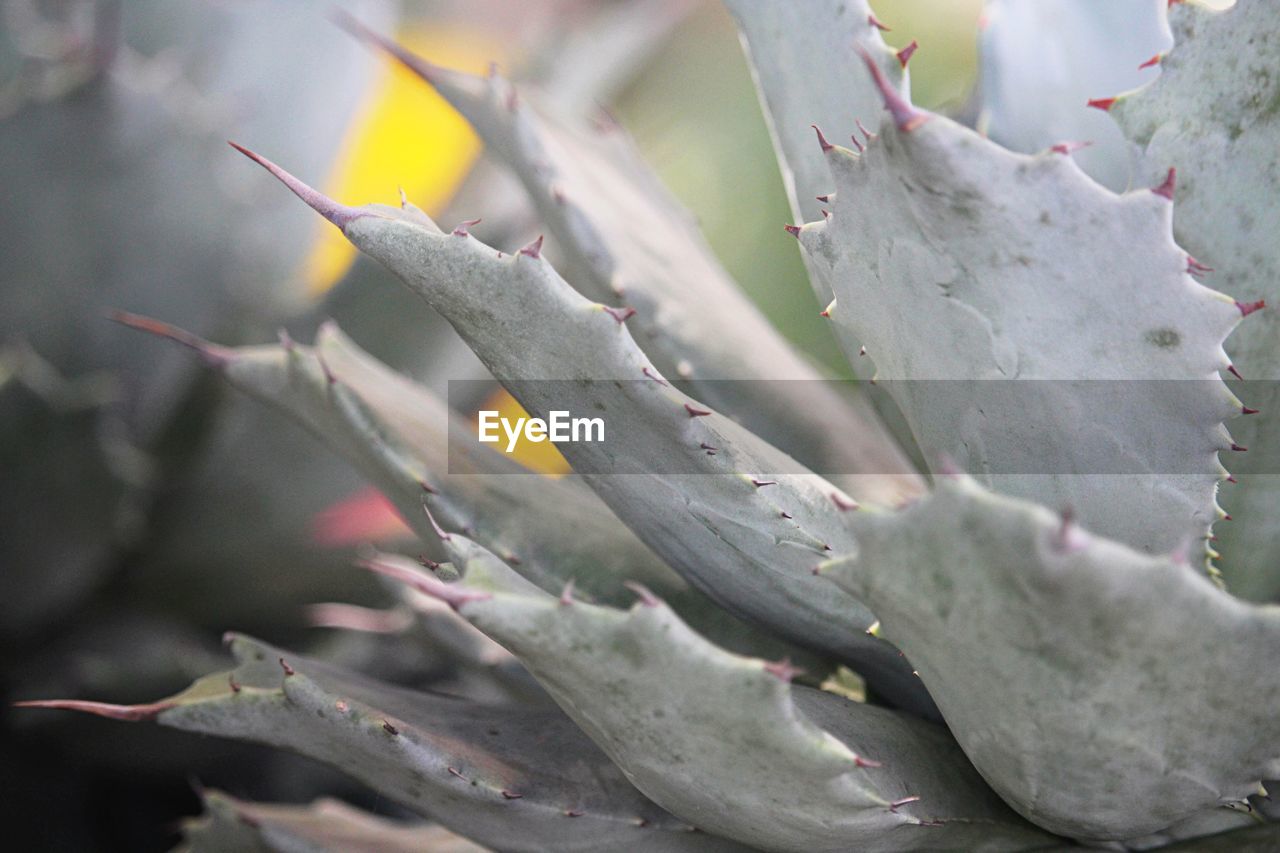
[[1054, 653]]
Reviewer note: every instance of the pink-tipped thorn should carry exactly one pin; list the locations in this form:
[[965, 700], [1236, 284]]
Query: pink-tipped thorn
[[444, 537], [1103, 104], [899, 803], [566, 594], [1165, 190], [1066, 148], [427, 71], [843, 503], [620, 314], [647, 598], [866, 133], [695, 412], [452, 594], [1195, 267], [793, 230], [859, 761], [510, 795], [1237, 448], [761, 483], [875, 22], [460, 230], [1247, 308], [339, 214], [288, 670], [1231, 368], [534, 249], [857, 144], [649, 372], [904, 55], [783, 670], [128, 713], [1231, 478], [905, 116], [1245, 410], [1068, 538], [211, 354], [1226, 516], [822, 140], [1152, 62]]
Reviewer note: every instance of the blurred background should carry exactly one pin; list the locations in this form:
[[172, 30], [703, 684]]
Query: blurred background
[[145, 509]]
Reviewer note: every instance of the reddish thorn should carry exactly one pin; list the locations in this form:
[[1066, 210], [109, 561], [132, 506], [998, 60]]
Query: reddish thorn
[[444, 537], [461, 229], [389, 729], [508, 795], [643, 593], [1103, 104], [1152, 62], [859, 761], [233, 684], [453, 771], [1245, 410], [573, 813], [1237, 448], [905, 116], [211, 354], [1165, 190], [619, 314], [128, 713], [510, 558], [339, 214], [426, 487], [1231, 478], [904, 55], [786, 514], [1068, 540], [453, 594], [286, 342], [843, 503], [427, 562], [862, 351], [856, 144], [826, 214], [783, 670], [825, 312], [648, 371], [868, 134], [1226, 516], [825, 199], [897, 804], [822, 140], [534, 249], [875, 22], [695, 412], [825, 547], [566, 595], [288, 670], [706, 446], [1066, 148], [793, 230], [1231, 368], [1195, 267], [759, 483], [1247, 308]]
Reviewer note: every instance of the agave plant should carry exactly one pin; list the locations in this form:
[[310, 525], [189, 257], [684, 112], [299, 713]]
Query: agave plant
[[1035, 678]]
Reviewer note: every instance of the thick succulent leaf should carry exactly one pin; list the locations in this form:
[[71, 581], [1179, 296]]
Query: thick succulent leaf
[[508, 778], [1214, 113], [954, 259], [748, 755], [805, 59], [625, 239], [1076, 673], [748, 544], [1044, 60], [230, 825]]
